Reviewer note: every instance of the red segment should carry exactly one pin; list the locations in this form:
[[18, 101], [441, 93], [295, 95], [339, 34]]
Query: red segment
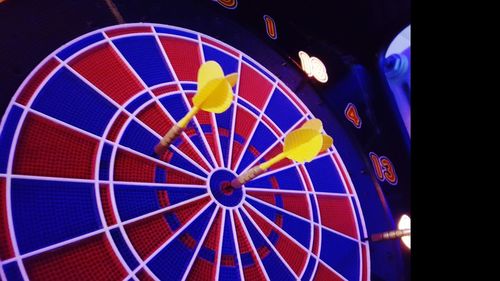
[[264, 196], [315, 246], [106, 204], [103, 67], [245, 123], [336, 213], [253, 271], [293, 254], [174, 176], [305, 177], [227, 260], [271, 124], [364, 270], [91, 258], [324, 273], [295, 203], [184, 56], [45, 148], [213, 236], [185, 212], [128, 30], [343, 173], [142, 275], [6, 250], [165, 89], [117, 126], [163, 199], [36, 80], [254, 87], [202, 270], [188, 241], [220, 46], [293, 97], [132, 167]]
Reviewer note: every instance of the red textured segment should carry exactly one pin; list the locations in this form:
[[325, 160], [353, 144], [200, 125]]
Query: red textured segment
[[202, 270], [237, 148], [165, 89], [364, 270], [244, 126], [117, 126], [213, 237], [271, 124], [293, 254], [174, 176], [343, 173], [6, 250], [90, 259], [254, 87], [324, 273], [45, 148], [163, 199], [36, 80], [188, 240], [293, 97], [263, 251], [128, 30], [187, 211], [132, 167], [277, 149], [188, 149], [103, 67], [184, 56], [254, 271], [304, 174], [220, 46], [336, 213], [142, 275], [228, 260], [295, 203], [148, 235], [106, 204], [264, 196], [315, 246]]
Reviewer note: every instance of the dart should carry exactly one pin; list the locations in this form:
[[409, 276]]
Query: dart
[[214, 94], [301, 145]]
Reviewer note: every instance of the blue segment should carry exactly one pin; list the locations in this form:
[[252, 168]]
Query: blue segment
[[7, 134], [259, 69], [160, 175], [104, 163], [137, 102], [173, 221], [207, 254], [262, 139], [345, 258], [139, 139], [248, 106], [287, 179], [206, 128], [69, 99], [80, 44], [228, 63], [181, 162], [189, 86], [216, 180], [49, 212], [12, 271], [246, 260], [292, 225], [144, 55], [124, 249], [273, 237], [229, 249], [314, 207], [282, 111], [279, 200], [239, 138], [177, 253], [317, 170], [358, 218], [309, 269], [167, 30], [275, 268]]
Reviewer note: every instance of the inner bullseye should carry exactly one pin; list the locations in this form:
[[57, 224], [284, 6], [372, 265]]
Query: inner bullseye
[[221, 189]]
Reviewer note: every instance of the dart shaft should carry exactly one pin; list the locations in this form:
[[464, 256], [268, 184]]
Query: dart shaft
[[185, 120], [272, 161]]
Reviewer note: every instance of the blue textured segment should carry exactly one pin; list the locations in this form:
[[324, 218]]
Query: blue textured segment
[[160, 175], [228, 63], [139, 139], [246, 260], [292, 225], [248, 106], [273, 237], [345, 259], [317, 170], [80, 44], [279, 200], [314, 207], [189, 86], [69, 99], [49, 212], [358, 218], [12, 272], [136, 200], [104, 162], [282, 111], [206, 128], [7, 134], [227, 272], [275, 268], [176, 253], [137, 102], [287, 179], [144, 55], [123, 248], [167, 30], [207, 254], [259, 69], [173, 221], [181, 162], [309, 269], [261, 140]]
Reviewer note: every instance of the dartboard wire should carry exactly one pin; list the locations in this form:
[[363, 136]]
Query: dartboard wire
[[236, 246], [289, 191], [303, 219], [200, 243], [221, 240], [254, 250], [143, 263], [270, 244], [235, 108], [155, 98], [319, 260], [257, 122], [279, 139], [114, 144], [179, 86]]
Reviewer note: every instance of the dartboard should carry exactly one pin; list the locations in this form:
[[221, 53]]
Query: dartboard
[[83, 195]]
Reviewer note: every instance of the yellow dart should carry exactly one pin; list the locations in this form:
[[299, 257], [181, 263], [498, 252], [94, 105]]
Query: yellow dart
[[214, 95], [301, 145]]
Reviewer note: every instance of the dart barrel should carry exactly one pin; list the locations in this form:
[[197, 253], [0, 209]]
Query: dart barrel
[[246, 177], [390, 235], [169, 137]]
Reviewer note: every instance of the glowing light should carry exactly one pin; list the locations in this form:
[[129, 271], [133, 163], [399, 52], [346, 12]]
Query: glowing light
[[405, 223], [313, 66]]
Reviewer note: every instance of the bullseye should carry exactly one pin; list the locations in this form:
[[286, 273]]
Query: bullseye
[[220, 186]]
